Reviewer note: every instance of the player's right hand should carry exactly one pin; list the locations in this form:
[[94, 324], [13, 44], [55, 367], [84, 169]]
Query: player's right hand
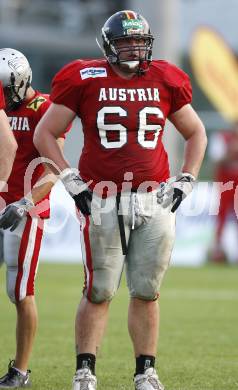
[[77, 189]]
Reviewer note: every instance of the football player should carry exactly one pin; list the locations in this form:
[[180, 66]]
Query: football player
[[123, 101], [20, 246], [8, 144]]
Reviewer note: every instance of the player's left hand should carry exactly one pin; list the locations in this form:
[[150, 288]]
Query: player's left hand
[[175, 190], [14, 213]]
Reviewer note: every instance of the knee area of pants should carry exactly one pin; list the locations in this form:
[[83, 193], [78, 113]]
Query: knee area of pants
[[100, 296], [12, 296], [147, 290], [144, 297]]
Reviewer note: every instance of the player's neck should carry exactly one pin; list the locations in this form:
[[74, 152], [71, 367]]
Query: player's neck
[[123, 74]]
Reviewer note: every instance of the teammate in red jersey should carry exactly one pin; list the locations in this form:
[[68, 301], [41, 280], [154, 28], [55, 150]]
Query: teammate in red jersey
[[8, 144], [224, 153], [123, 102], [20, 246]]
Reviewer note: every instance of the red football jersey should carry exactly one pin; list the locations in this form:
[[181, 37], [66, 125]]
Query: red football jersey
[[123, 120], [23, 122], [2, 101]]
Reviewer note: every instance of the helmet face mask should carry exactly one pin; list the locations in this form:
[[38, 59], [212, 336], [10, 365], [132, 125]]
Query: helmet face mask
[[15, 75], [133, 30]]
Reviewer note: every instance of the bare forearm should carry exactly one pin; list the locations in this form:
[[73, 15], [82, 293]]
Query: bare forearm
[[42, 187], [194, 152]]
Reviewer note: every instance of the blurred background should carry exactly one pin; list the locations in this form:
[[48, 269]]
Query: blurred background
[[51, 33]]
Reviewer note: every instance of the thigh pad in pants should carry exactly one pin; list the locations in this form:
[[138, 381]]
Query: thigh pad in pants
[[102, 255], [21, 252], [150, 248]]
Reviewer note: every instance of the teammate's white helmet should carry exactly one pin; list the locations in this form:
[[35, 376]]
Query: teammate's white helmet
[[15, 75]]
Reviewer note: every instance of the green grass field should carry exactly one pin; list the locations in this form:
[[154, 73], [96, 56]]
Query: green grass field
[[198, 347]]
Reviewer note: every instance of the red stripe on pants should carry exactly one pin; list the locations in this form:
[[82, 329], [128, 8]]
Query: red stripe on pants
[[34, 261], [21, 256], [34, 256], [89, 262]]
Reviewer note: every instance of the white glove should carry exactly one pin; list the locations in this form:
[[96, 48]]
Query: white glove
[[78, 189], [175, 190], [14, 213]]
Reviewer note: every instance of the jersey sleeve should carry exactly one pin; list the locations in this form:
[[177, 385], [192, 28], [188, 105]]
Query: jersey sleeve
[[2, 101], [66, 87], [181, 89]]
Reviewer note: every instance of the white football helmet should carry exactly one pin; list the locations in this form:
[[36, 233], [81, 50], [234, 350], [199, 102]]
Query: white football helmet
[[15, 75]]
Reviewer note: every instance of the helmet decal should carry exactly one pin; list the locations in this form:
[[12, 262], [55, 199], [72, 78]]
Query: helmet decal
[[133, 26]]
